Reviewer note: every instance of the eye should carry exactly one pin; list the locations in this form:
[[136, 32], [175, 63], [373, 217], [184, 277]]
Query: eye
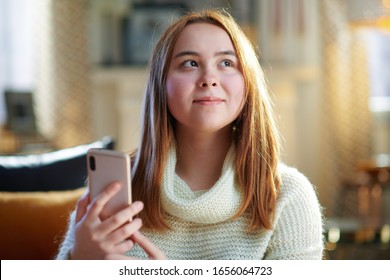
[[227, 63], [190, 63]]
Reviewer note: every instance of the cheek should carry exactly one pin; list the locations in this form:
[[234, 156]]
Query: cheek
[[177, 89], [237, 91], [176, 86], [172, 88]]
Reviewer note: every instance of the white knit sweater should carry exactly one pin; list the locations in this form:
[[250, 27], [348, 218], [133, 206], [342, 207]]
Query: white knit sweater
[[201, 225]]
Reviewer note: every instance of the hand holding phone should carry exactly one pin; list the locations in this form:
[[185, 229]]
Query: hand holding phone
[[104, 168]]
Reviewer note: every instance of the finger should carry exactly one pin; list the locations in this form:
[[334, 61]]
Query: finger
[[120, 218], [82, 205], [123, 247], [115, 256], [101, 200], [123, 232], [148, 246]]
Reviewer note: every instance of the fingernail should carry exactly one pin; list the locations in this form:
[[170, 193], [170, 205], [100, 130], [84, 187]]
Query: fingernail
[[114, 185], [138, 205]]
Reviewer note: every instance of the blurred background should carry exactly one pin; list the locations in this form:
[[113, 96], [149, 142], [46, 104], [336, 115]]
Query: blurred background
[[73, 71]]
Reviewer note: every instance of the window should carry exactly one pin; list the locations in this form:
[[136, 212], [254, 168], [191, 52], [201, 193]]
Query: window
[[16, 48], [378, 57]]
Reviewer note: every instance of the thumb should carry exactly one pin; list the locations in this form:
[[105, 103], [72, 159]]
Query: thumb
[[82, 205]]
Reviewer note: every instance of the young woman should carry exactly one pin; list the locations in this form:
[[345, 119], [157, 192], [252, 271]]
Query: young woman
[[207, 181]]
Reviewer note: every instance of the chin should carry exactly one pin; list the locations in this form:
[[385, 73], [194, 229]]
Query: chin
[[212, 128]]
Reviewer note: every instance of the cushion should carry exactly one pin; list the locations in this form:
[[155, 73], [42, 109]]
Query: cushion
[[33, 224], [64, 169]]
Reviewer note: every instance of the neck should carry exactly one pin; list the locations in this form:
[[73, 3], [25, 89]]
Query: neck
[[200, 156]]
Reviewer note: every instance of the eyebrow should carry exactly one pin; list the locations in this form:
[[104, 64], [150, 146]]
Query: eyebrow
[[192, 53]]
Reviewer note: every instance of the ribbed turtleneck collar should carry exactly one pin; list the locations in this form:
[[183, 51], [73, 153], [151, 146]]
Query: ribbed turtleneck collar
[[215, 205]]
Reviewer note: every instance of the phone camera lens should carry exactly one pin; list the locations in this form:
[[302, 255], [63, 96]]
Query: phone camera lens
[[92, 163]]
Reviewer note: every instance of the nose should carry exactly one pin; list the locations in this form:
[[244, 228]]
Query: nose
[[207, 79], [204, 84]]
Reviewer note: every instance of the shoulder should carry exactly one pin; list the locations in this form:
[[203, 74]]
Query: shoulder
[[293, 180], [298, 219], [296, 187]]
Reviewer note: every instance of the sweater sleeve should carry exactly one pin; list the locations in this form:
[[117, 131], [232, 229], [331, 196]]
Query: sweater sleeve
[[67, 243], [298, 229]]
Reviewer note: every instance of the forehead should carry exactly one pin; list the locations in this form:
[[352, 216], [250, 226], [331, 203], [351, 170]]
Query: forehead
[[203, 36]]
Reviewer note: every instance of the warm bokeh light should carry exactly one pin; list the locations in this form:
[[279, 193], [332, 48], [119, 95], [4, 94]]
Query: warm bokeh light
[[386, 4]]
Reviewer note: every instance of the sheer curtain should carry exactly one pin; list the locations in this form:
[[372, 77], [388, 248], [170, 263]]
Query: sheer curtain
[[347, 120], [17, 48], [63, 95]]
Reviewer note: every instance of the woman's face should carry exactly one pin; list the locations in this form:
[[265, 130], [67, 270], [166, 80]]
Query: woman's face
[[205, 85]]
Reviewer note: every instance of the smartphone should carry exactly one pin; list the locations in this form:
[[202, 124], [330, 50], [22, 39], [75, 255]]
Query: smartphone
[[104, 168]]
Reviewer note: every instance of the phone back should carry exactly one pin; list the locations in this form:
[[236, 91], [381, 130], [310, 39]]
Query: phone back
[[104, 168]]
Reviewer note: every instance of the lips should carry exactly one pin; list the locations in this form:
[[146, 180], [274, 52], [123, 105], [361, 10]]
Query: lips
[[208, 100]]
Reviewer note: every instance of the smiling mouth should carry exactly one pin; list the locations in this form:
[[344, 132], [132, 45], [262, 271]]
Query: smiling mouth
[[208, 101]]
